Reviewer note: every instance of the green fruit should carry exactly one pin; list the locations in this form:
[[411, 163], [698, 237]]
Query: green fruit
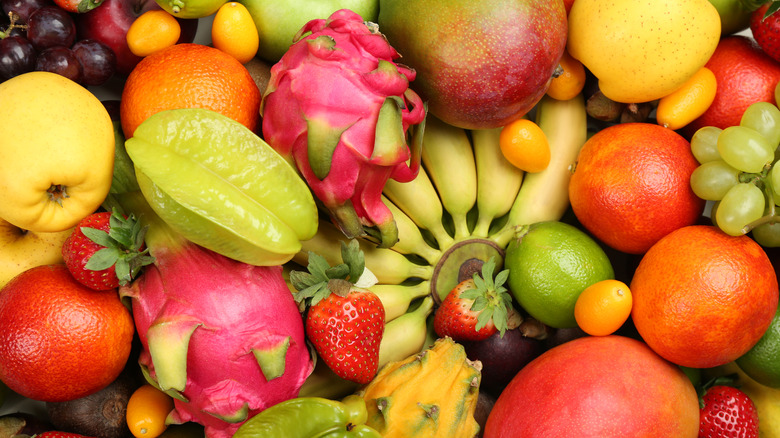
[[191, 8], [550, 264], [221, 186], [734, 16], [760, 362]]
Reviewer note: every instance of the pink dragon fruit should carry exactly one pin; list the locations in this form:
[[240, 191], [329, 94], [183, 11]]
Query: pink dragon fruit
[[341, 110], [225, 338]]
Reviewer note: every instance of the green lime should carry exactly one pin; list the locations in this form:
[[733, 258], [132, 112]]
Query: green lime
[[550, 264], [760, 362]]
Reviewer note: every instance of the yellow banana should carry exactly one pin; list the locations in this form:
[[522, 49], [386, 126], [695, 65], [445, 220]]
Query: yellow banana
[[498, 180], [389, 266], [419, 200], [544, 195], [449, 160], [405, 335], [397, 297], [410, 240]]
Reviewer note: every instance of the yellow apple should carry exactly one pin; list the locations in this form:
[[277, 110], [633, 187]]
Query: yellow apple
[[56, 152], [642, 51], [21, 250]]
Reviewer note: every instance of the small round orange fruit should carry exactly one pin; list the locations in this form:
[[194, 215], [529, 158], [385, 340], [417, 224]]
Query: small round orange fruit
[[603, 307], [60, 340]]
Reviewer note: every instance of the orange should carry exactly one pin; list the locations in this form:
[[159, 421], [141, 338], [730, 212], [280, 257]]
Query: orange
[[631, 185], [603, 307], [745, 74], [60, 340], [189, 76], [703, 298]]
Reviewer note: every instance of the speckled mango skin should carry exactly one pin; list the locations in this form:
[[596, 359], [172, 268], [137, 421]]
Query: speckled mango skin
[[642, 50], [480, 64]]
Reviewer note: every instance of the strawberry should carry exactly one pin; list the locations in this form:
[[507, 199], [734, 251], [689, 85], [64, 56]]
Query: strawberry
[[344, 322], [105, 250], [765, 25], [58, 434], [475, 308], [78, 6], [727, 412]]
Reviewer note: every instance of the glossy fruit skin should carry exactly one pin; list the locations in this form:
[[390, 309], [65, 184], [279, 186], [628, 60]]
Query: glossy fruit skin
[[591, 387], [346, 332], [766, 31], [454, 318], [728, 412], [78, 249], [146, 411], [703, 298], [760, 362], [45, 316], [189, 76], [630, 200], [233, 31], [470, 78], [603, 307], [744, 75]]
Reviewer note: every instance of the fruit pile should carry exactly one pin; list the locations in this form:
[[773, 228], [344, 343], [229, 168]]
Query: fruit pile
[[389, 218]]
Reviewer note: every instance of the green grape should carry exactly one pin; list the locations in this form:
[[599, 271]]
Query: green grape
[[774, 182], [704, 144], [764, 117], [741, 205], [767, 235], [711, 180], [745, 149]]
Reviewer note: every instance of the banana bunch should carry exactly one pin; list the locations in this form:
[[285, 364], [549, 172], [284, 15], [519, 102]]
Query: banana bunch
[[465, 204]]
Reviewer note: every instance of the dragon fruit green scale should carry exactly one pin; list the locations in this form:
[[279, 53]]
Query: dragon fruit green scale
[[340, 109]]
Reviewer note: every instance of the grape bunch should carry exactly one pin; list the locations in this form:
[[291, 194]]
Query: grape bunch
[[38, 35], [738, 171]]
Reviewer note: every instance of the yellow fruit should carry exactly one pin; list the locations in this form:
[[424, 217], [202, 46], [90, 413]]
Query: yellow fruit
[[642, 51], [234, 32], [57, 149], [603, 307]]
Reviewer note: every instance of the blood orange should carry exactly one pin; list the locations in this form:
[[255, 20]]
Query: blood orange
[[703, 298], [60, 340], [631, 185]]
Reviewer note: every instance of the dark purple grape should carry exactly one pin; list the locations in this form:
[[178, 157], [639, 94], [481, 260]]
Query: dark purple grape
[[51, 26], [60, 60], [17, 56], [24, 8], [97, 60]]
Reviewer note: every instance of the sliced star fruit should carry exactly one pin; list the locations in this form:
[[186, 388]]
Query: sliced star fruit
[[221, 186]]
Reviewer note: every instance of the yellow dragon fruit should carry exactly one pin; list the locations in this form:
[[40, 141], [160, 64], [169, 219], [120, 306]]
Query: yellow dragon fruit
[[341, 110]]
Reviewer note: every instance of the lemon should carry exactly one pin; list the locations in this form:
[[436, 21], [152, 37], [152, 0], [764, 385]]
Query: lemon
[[760, 362], [550, 264]]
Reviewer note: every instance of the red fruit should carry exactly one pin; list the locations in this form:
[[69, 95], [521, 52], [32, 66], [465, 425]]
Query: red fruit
[[58, 434], [597, 386], [766, 31], [727, 412], [345, 323], [476, 308], [78, 6], [105, 250], [346, 332], [745, 74]]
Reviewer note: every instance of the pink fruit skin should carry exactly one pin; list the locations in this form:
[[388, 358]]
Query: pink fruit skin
[[322, 105], [600, 387], [231, 309]]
